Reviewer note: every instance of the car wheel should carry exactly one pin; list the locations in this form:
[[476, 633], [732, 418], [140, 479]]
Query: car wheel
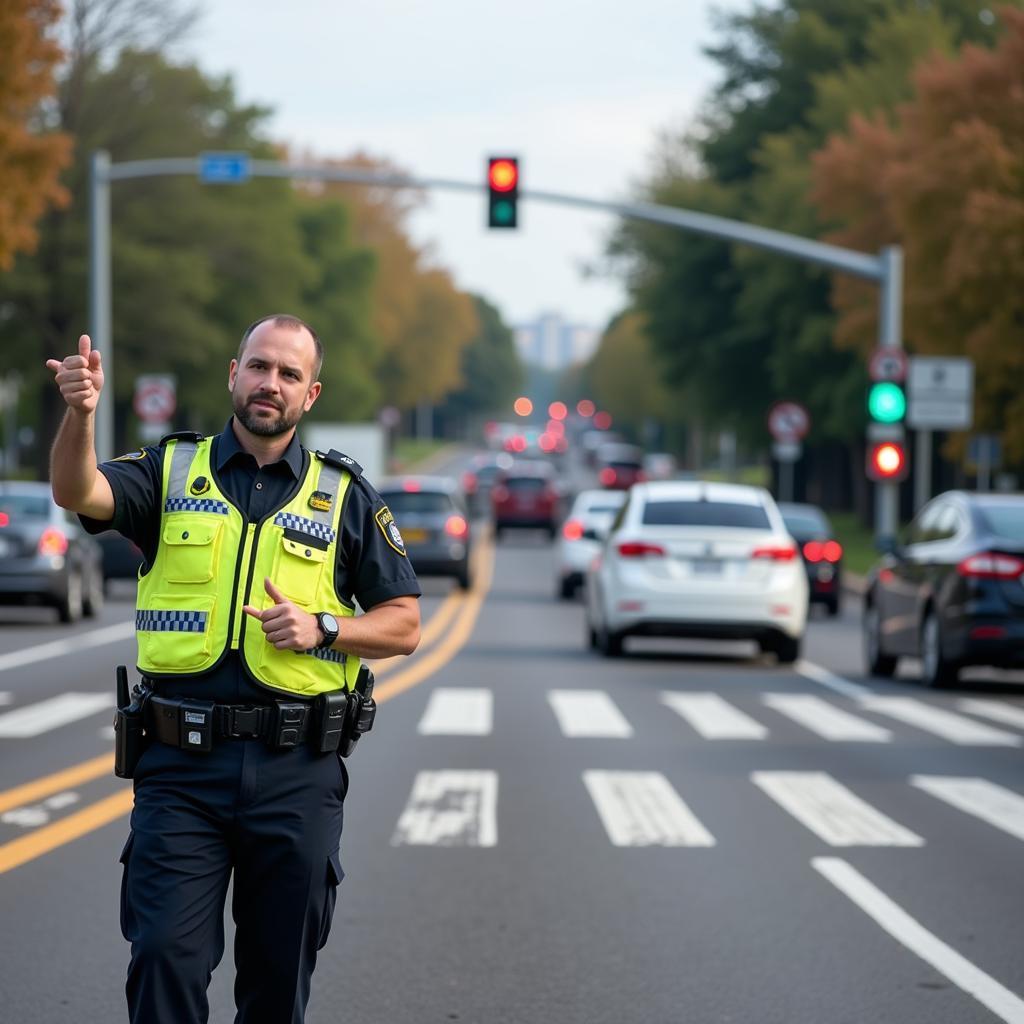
[[787, 649], [937, 671], [833, 608], [878, 662], [498, 531], [566, 589], [591, 635], [92, 601], [70, 606], [463, 577], [609, 643]]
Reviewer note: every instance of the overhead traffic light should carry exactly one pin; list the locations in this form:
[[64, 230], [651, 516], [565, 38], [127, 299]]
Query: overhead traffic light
[[886, 402], [886, 461], [502, 191]]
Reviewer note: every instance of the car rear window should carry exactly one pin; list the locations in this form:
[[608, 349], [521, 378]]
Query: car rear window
[[806, 524], [525, 484], [705, 513], [1004, 520], [25, 506], [417, 502]]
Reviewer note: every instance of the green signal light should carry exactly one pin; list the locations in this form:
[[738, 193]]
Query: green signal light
[[886, 402], [503, 212]]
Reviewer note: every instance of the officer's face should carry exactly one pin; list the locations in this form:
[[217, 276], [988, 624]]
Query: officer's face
[[272, 384]]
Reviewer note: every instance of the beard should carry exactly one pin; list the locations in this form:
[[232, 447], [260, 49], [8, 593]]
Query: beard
[[262, 421]]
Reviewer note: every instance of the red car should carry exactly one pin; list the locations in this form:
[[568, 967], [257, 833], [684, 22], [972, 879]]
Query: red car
[[619, 466], [526, 496]]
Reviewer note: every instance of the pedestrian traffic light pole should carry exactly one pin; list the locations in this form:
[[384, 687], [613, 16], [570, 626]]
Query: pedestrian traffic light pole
[[885, 269]]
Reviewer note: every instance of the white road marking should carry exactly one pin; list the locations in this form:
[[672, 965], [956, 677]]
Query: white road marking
[[822, 675], [831, 811], [997, 805], [72, 645], [906, 930], [450, 808], [588, 713], [642, 809], [35, 815], [947, 724], [5, 697], [1008, 714], [829, 722], [713, 717], [458, 712], [52, 713]]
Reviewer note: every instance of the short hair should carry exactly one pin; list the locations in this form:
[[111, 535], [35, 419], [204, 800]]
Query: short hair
[[296, 324]]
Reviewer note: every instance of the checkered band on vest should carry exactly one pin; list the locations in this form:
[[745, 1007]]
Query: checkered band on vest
[[150, 621], [196, 505], [328, 654], [290, 521]]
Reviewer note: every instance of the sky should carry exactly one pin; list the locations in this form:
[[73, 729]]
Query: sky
[[579, 90]]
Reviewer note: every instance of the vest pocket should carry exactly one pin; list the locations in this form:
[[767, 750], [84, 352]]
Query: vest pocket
[[298, 570], [190, 548], [176, 634]]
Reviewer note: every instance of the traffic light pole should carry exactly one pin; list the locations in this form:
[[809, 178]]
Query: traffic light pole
[[885, 269]]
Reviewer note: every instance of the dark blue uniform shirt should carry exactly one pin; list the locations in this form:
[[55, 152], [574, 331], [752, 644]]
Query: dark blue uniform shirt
[[368, 568]]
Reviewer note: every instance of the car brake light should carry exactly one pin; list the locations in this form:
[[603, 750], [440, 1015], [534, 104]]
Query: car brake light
[[469, 482], [639, 548], [990, 565], [4, 519], [775, 552], [411, 486], [607, 476], [53, 542], [832, 551], [572, 529], [456, 526], [813, 551]]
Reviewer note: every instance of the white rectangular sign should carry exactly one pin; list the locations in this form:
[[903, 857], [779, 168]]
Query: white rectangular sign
[[940, 393]]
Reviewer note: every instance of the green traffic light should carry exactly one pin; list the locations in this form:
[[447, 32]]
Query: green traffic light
[[886, 402], [503, 212]]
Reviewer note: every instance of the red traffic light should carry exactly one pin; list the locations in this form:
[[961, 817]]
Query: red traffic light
[[887, 460], [503, 174]]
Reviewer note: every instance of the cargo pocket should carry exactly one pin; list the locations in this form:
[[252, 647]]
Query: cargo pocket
[[177, 634], [298, 569], [190, 549], [334, 877], [125, 859]]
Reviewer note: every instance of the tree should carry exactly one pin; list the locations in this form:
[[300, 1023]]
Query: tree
[[944, 179], [31, 157]]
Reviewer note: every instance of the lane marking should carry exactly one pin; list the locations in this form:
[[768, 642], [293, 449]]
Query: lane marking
[[38, 814], [822, 675], [946, 724], [588, 713], [1008, 714], [915, 937], [72, 645], [713, 717], [52, 713], [5, 697], [67, 778], [462, 711], [994, 804], [831, 811], [643, 809], [450, 808], [829, 722]]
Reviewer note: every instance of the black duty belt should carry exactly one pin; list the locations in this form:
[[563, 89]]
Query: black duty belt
[[194, 724]]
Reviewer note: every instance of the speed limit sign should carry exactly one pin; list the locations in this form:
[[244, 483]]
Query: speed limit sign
[[155, 399], [788, 421]]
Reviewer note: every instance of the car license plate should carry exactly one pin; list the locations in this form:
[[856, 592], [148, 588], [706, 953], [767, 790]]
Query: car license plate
[[414, 535], [706, 566]]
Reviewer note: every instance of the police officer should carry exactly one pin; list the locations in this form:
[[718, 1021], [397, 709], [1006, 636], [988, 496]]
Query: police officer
[[256, 551]]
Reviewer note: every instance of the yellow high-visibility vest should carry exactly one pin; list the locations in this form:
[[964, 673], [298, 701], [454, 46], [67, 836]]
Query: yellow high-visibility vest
[[210, 562]]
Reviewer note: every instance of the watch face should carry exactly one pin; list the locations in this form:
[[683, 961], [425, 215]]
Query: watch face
[[329, 623]]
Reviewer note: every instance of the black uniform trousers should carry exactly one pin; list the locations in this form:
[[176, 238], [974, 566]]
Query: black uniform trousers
[[274, 819]]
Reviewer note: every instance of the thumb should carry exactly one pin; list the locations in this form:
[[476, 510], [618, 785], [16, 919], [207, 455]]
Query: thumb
[[94, 360], [54, 365], [254, 612], [84, 346], [275, 594]]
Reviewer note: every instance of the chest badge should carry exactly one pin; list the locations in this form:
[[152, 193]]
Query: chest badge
[[386, 522], [321, 501], [200, 485]]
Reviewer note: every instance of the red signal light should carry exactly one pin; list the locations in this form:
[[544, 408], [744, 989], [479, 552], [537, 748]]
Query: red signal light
[[503, 175], [887, 460]]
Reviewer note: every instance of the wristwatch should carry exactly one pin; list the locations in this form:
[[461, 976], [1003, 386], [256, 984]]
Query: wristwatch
[[329, 627]]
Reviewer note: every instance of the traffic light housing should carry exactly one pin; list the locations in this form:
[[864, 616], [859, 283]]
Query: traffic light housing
[[502, 192], [886, 402], [887, 461]]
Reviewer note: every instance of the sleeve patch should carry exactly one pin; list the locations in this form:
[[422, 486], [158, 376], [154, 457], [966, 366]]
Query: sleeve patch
[[388, 526], [131, 456]]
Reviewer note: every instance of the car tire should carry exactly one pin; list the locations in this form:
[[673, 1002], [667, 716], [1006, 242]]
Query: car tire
[[937, 671], [609, 643], [566, 589], [552, 532], [498, 531], [787, 648], [833, 608], [590, 634], [878, 662], [69, 608], [92, 599], [463, 578]]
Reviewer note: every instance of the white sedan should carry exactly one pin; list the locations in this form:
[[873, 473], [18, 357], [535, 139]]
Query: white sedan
[[585, 527], [695, 559]]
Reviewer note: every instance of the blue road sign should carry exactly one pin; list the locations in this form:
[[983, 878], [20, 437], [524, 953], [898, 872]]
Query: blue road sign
[[223, 168]]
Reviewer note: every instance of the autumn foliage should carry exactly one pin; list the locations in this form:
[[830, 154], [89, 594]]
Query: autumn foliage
[[945, 178], [30, 159]]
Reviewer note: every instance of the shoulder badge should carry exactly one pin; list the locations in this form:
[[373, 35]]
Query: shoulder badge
[[321, 501], [200, 485], [388, 526], [131, 456]]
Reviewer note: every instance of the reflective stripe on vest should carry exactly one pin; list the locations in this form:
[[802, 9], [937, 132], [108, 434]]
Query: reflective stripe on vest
[[189, 614]]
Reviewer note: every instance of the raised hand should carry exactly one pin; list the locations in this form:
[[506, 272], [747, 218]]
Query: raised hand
[[285, 624], [80, 377]]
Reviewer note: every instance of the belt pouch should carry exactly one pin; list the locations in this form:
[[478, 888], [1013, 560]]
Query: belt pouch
[[287, 721], [195, 725], [330, 709], [129, 740]]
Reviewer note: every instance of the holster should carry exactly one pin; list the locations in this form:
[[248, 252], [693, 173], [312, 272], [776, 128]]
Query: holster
[[360, 712], [129, 725]]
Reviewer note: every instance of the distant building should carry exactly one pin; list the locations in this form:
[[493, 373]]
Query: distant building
[[552, 343]]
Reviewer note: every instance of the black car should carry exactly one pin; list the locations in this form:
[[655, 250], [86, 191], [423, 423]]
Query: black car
[[45, 555], [434, 524], [951, 592], [822, 553]]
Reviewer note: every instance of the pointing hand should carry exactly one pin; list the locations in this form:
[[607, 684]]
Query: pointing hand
[[80, 377], [285, 625]]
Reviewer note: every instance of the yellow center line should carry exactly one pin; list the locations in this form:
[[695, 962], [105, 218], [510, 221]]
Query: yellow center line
[[57, 783]]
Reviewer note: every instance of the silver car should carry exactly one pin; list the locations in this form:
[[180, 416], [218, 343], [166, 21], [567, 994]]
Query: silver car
[[585, 527]]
